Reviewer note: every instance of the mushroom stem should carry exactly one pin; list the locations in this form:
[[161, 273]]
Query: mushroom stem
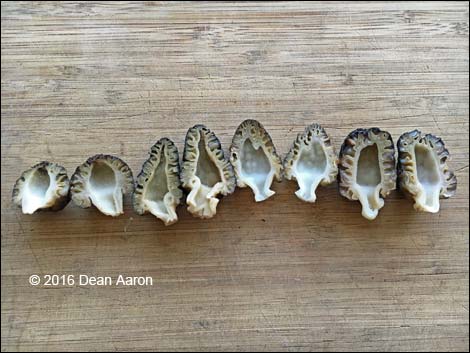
[[369, 197], [260, 186], [32, 202], [307, 187], [427, 198], [162, 209], [108, 201], [201, 200]]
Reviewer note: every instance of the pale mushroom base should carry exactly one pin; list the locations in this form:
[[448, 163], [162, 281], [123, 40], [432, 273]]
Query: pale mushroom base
[[202, 199]]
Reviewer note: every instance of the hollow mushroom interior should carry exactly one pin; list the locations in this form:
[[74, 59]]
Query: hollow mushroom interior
[[38, 191], [206, 169], [156, 193], [105, 191], [209, 175], [256, 170], [427, 171], [368, 181], [310, 169]]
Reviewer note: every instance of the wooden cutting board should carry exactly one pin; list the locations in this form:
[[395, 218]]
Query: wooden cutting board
[[86, 78]]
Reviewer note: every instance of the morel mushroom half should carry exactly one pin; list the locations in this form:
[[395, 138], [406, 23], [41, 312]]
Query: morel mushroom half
[[254, 159], [44, 186], [367, 169], [423, 172], [158, 185], [102, 180], [311, 161], [205, 172]]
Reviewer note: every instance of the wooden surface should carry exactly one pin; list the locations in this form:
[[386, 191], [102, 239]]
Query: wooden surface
[[86, 78]]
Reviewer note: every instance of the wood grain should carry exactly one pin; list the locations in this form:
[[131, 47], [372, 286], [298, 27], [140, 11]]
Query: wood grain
[[83, 78]]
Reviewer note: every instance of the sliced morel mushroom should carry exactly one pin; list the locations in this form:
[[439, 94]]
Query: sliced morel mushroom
[[158, 185], [44, 186], [423, 172], [311, 161], [102, 181], [254, 159], [205, 172], [367, 169]]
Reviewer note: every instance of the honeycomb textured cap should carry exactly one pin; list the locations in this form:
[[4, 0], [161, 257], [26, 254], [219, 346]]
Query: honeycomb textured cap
[[163, 151], [251, 150], [375, 177], [205, 172], [354, 143], [439, 180], [121, 179], [311, 160]]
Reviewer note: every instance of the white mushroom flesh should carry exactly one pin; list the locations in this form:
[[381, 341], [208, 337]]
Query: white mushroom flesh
[[429, 179], [423, 171], [311, 161], [310, 170], [206, 184], [254, 159], [368, 171], [369, 181], [158, 184], [43, 186], [157, 197], [105, 192], [102, 180], [206, 172], [38, 191], [256, 171]]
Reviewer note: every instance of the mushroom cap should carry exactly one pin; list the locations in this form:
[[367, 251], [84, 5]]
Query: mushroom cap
[[160, 178], [311, 161], [44, 186], [205, 171], [381, 176], [423, 172], [254, 159], [102, 180]]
